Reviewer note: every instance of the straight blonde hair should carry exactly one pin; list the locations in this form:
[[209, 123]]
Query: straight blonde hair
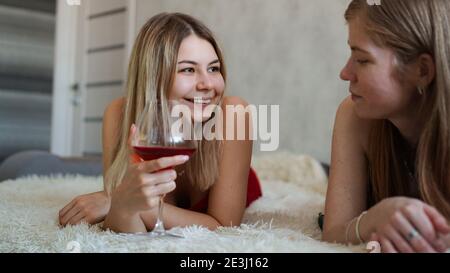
[[151, 74], [411, 28]]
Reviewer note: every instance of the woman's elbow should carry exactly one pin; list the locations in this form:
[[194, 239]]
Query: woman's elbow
[[327, 237]]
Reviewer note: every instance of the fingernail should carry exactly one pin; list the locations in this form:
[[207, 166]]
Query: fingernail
[[184, 157], [441, 246]]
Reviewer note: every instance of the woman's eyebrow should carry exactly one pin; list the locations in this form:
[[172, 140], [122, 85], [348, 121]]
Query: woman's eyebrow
[[187, 62], [195, 63], [357, 48], [214, 62]]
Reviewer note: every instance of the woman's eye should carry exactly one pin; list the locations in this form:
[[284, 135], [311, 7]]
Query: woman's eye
[[214, 69], [188, 70], [362, 61]]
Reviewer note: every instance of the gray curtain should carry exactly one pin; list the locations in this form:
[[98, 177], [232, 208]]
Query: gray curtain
[[26, 70]]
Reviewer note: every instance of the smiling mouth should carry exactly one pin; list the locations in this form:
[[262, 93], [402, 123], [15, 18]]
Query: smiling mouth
[[199, 100]]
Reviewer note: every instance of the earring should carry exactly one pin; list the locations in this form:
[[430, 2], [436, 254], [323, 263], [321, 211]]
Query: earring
[[421, 90]]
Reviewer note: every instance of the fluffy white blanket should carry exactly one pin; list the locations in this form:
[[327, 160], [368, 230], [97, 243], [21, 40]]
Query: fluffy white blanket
[[283, 220]]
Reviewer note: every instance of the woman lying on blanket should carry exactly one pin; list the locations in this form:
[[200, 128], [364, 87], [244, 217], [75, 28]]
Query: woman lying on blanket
[[390, 175], [180, 57]]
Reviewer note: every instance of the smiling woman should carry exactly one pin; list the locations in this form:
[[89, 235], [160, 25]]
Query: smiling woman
[[175, 59]]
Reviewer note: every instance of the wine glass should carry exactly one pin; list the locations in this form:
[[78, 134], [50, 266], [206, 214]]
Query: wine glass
[[155, 138]]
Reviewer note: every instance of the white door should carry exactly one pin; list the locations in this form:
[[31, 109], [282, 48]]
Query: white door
[[90, 70]]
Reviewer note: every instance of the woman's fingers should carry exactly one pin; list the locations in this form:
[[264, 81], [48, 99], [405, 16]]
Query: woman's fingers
[[374, 237], [131, 135], [440, 225], [437, 219], [151, 179], [159, 189], [426, 228], [374, 245], [71, 213], [397, 240], [411, 234], [163, 163], [418, 219], [76, 219], [67, 208], [386, 245], [446, 240]]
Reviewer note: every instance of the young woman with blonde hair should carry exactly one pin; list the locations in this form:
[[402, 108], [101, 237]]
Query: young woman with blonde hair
[[175, 57], [390, 166]]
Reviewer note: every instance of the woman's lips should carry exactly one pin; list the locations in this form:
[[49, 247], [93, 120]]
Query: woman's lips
[[198, 102], [354, 96]]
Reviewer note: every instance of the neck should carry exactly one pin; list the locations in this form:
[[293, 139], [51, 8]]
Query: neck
[[410, 127]]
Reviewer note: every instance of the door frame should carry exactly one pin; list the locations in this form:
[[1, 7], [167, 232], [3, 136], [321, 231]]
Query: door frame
[[67, 112], [64, 78]]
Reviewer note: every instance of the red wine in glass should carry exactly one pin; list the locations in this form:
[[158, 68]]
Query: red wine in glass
[[151, 153], [148, 153]]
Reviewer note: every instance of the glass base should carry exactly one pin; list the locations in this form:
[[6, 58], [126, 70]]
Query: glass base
[[154, 234], [165, 233]]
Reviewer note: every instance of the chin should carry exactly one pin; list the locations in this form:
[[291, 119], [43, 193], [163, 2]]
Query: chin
[[202, 118], [366, 113]]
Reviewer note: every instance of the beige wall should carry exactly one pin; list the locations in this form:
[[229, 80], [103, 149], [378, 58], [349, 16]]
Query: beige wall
[[286, 52]]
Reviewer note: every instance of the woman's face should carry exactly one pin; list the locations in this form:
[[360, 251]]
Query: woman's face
[[198, 80], [375, 90]]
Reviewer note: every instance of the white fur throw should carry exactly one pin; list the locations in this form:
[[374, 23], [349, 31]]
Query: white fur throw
[[283, 220]]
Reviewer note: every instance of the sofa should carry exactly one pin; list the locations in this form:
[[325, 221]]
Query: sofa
[[37, 162]]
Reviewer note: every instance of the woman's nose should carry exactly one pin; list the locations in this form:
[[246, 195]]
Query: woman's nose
[[204, 82], [346, 72]]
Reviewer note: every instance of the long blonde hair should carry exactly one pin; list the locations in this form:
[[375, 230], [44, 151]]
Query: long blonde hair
[[411, 28], [151, 72]]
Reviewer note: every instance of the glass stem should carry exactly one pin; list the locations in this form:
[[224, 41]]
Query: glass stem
[[159, 226]]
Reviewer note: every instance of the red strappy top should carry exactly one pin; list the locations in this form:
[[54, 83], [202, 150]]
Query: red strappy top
[[253, 193]]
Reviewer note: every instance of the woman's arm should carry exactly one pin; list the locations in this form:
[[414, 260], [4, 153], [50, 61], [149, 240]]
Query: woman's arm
[[227, 197], [347, 190], [111, 130], [93, 207], [391, 220]]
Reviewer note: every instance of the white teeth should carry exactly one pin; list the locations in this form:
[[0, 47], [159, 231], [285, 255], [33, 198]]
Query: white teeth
[[201, 100]]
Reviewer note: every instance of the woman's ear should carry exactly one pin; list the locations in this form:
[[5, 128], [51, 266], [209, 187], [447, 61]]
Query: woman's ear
[[426, 70]]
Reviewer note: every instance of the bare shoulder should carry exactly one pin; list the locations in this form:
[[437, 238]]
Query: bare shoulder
[[347, 122], [234, 100], [112, 118], [236, 108], [114, 108]]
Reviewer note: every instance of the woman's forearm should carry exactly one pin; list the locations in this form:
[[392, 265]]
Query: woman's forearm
[[347, 233], [335, 234], [183, 217], [174, 216]]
